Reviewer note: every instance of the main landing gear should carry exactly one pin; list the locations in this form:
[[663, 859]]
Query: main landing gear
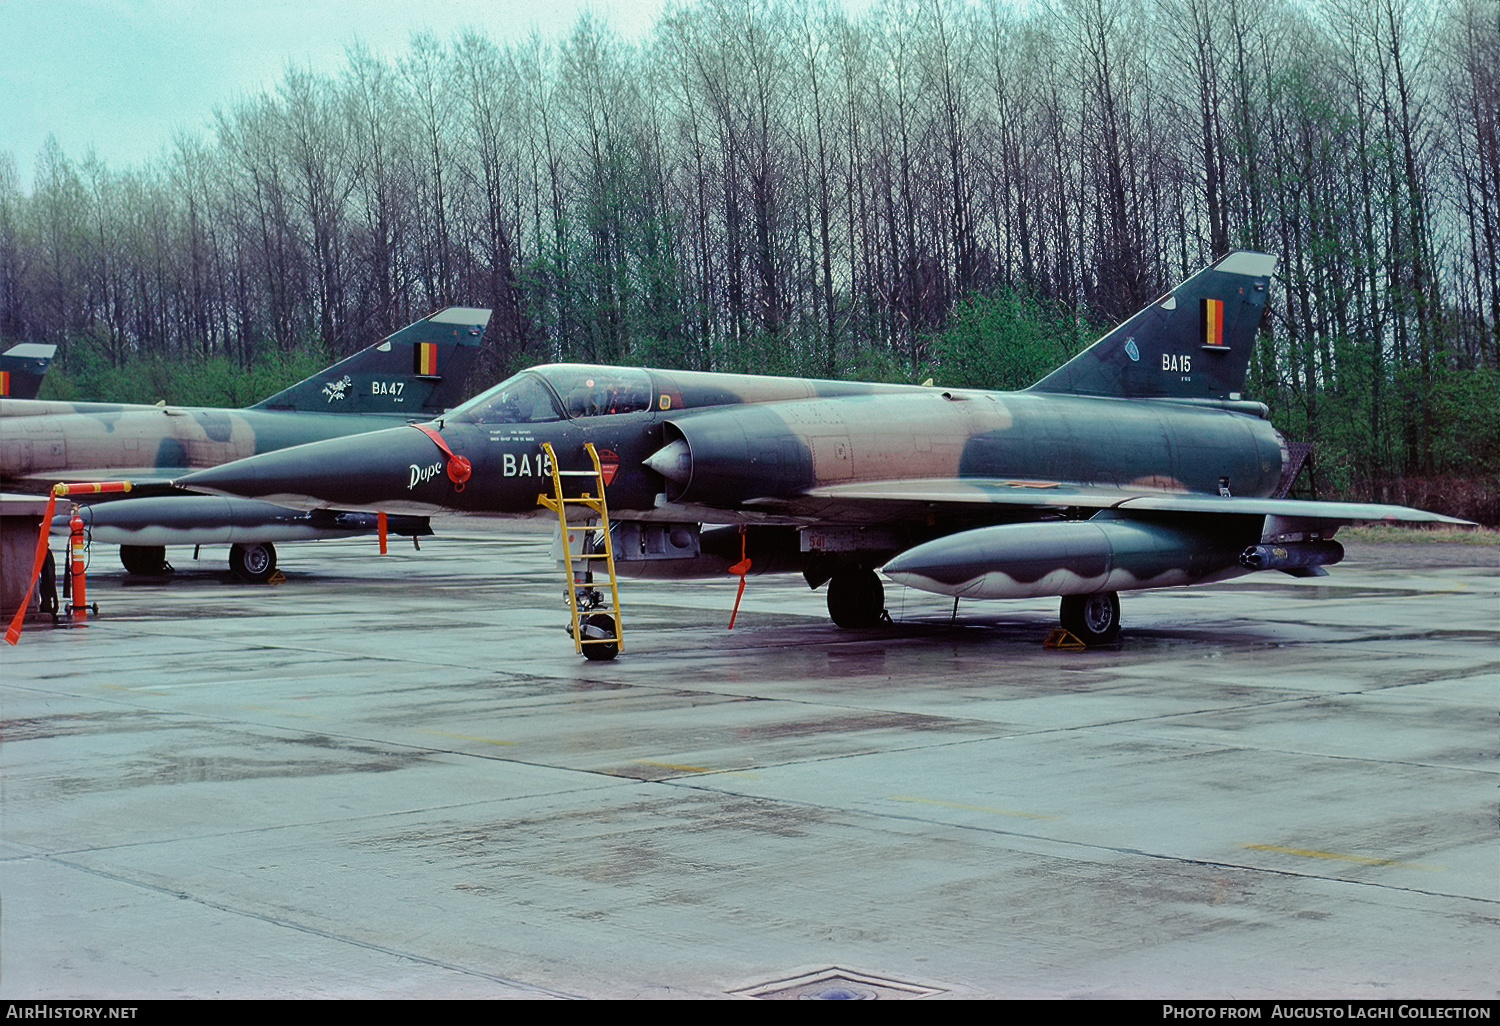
[[856, 599], [145, 560], [1093, 619], [255, 562]]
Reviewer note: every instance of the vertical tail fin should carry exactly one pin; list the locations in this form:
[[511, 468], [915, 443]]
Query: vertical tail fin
[[418, 371], [22, 368], [1193, 343]]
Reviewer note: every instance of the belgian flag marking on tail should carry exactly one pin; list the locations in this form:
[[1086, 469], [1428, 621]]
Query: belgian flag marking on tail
[[4, 382], [426, 358], [1213, 324]]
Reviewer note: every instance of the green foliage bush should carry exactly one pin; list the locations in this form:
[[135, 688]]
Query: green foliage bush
[[1466, 435], [83, 374], [1006, 341]]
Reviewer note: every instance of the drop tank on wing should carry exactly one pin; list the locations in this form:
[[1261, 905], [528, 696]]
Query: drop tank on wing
[[1075, 557]]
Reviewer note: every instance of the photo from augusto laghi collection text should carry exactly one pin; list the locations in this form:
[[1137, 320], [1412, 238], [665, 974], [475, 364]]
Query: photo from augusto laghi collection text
[[1325, 1010]]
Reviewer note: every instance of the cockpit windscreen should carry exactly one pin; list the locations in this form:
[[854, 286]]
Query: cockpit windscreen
[[585, 391], [521, 399], [599, 391]]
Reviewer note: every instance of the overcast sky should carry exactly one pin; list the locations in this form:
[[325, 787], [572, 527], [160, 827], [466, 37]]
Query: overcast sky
[[123, 75]]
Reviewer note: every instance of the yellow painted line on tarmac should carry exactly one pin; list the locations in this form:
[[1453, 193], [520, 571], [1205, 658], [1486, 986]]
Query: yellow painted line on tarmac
[[468, 737], [970, 808], [1363, 860], [674, 766]]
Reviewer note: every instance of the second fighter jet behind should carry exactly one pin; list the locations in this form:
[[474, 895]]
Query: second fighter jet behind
[[1137, 464]]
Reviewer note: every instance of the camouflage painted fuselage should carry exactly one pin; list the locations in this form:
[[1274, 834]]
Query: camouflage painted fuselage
[[741, 449], [46, 442]]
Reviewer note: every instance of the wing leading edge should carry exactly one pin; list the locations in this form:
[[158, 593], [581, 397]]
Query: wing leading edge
[[874, 500]]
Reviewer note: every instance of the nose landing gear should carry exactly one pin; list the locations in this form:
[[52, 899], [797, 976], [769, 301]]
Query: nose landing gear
[[595, 625]]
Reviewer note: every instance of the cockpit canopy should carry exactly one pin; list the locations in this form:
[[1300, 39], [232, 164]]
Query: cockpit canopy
[[559, 390]]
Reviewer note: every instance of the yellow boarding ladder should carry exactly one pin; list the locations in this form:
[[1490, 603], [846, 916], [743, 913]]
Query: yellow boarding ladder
[[597, 630]]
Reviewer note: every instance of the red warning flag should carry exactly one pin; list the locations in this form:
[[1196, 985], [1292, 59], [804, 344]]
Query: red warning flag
[[13, 633], [739, 569]]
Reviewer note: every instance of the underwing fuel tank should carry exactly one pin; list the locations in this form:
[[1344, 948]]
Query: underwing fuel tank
[[212, 520], [1075, 558]]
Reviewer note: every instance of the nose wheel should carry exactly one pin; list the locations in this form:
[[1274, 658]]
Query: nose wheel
[[600, 641]]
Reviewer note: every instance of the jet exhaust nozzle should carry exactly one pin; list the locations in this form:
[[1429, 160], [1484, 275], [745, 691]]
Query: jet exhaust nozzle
[[1292, 556]]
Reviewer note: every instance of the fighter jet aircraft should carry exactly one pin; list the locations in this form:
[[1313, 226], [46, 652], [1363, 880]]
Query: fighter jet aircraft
[[414, 374], [1137, 464], [22, 368]]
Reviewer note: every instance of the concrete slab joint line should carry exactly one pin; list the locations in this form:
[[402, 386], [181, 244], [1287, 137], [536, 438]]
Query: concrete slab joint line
[[835, 984]]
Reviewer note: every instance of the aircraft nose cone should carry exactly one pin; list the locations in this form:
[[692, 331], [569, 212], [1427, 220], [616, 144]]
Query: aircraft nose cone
[[673, 462], [397, 470]]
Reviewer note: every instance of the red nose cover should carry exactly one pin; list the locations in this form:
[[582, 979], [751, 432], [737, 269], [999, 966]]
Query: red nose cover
[[459, 468]]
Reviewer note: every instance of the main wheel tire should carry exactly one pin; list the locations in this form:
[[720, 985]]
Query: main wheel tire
[[1095, 619], [145, 560], [598, 625], [254, 563], [856, 599]]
